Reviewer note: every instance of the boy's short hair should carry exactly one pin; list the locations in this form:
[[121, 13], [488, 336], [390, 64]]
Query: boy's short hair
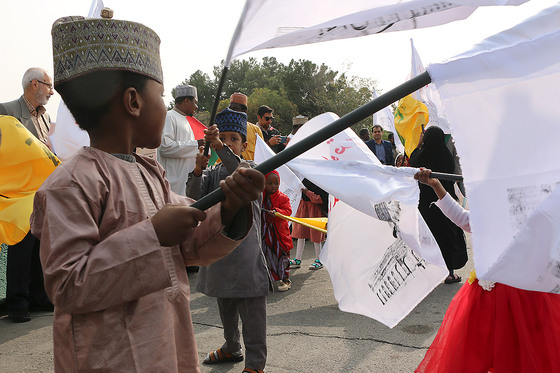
[[232, 121], [90, 97], [262, 110], [96, 59]]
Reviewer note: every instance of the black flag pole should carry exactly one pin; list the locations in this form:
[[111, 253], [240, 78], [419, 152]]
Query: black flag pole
[[326, 133], [442, 176], [215, 107]]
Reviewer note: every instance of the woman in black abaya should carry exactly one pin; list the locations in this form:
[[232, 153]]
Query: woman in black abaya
[[435, 155]]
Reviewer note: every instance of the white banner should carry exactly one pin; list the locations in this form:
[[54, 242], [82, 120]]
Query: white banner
[[509, 153], [272, 24], [428, 95], [382, 258], [373, 273], [67, 137]]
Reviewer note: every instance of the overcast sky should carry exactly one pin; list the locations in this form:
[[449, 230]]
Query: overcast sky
[[196, 35]]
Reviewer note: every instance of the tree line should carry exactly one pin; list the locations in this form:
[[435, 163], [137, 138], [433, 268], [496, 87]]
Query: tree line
[[298, 88]]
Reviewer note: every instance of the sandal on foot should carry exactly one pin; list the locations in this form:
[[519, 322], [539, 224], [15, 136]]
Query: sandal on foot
[[219, 356], [451, 279], [249, 370], [285, 285], [316, 265], [295, 263]]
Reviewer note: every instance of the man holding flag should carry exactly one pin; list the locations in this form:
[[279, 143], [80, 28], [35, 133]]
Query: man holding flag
[[177, 153]]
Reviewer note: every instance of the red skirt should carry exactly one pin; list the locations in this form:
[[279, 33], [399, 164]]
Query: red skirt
[[505, 330]]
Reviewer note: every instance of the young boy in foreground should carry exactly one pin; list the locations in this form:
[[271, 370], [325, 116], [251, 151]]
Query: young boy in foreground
[[114, 239]]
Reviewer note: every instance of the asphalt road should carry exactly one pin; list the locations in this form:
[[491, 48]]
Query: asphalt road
[[306, 331]]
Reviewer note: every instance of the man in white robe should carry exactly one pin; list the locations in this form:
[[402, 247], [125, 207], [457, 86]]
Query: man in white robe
[[177, 153]]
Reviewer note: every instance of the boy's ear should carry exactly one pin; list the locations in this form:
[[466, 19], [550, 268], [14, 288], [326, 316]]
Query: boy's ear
[[244, 146], [132, 102]]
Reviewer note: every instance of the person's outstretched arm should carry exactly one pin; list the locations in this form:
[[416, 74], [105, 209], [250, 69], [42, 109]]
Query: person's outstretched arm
[[450, 208]]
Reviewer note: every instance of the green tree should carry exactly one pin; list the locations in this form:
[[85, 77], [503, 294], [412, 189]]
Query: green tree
[[301, 87]]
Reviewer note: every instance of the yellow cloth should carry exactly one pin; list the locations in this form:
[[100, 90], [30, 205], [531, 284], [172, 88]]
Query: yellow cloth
[[252, 132], [410, 117], [319, 224], [472, 277], [25, 163]]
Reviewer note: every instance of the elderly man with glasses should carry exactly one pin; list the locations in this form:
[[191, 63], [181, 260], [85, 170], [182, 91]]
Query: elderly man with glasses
[[25, 289], [271, 135], [29, 109]]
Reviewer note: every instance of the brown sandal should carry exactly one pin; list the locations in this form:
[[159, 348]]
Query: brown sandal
[[219, 356]]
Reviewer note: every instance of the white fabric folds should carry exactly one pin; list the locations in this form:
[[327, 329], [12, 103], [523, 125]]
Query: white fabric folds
[[272, 24], [381, 257], [501, 99]]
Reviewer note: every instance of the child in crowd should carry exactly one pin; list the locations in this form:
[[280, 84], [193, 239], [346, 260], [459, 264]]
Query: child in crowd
[[114, 238], [277, 241], [492, 327], [309, 207], [401, 160], [240, 281]]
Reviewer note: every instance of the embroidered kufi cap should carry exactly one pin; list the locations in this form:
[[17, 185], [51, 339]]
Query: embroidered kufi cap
[[185, 90], [229, 120], [299, 120], [238, 98], [83, 45]]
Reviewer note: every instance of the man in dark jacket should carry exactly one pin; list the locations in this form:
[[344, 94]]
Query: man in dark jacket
[[381, 148]]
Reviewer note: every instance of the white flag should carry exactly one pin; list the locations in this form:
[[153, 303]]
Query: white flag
[[428, 95], [67, 137], [381, 257], [290, 184], [509, 153], [272, 24], [373, 273], [95, 9]]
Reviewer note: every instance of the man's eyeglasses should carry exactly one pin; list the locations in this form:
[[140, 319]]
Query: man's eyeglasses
[[47, 84], [268, 118]]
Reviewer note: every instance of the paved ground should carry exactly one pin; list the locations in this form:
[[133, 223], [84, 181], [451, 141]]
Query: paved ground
[[306, 332]]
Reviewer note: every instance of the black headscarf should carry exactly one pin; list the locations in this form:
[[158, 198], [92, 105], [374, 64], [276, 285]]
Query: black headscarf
[[435, 155]]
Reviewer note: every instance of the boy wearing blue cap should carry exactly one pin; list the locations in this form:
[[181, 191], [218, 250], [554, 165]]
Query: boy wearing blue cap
[[115, 239], [240, 281]]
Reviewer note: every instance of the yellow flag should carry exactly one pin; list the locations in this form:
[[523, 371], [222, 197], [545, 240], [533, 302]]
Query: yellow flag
[[411, 117], [319, 224], [25, 163]]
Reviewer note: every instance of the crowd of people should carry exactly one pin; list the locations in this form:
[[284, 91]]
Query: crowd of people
[[111, 231]]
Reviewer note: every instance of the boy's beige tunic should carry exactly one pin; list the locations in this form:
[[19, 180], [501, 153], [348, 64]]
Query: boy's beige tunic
[[121, 300]]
